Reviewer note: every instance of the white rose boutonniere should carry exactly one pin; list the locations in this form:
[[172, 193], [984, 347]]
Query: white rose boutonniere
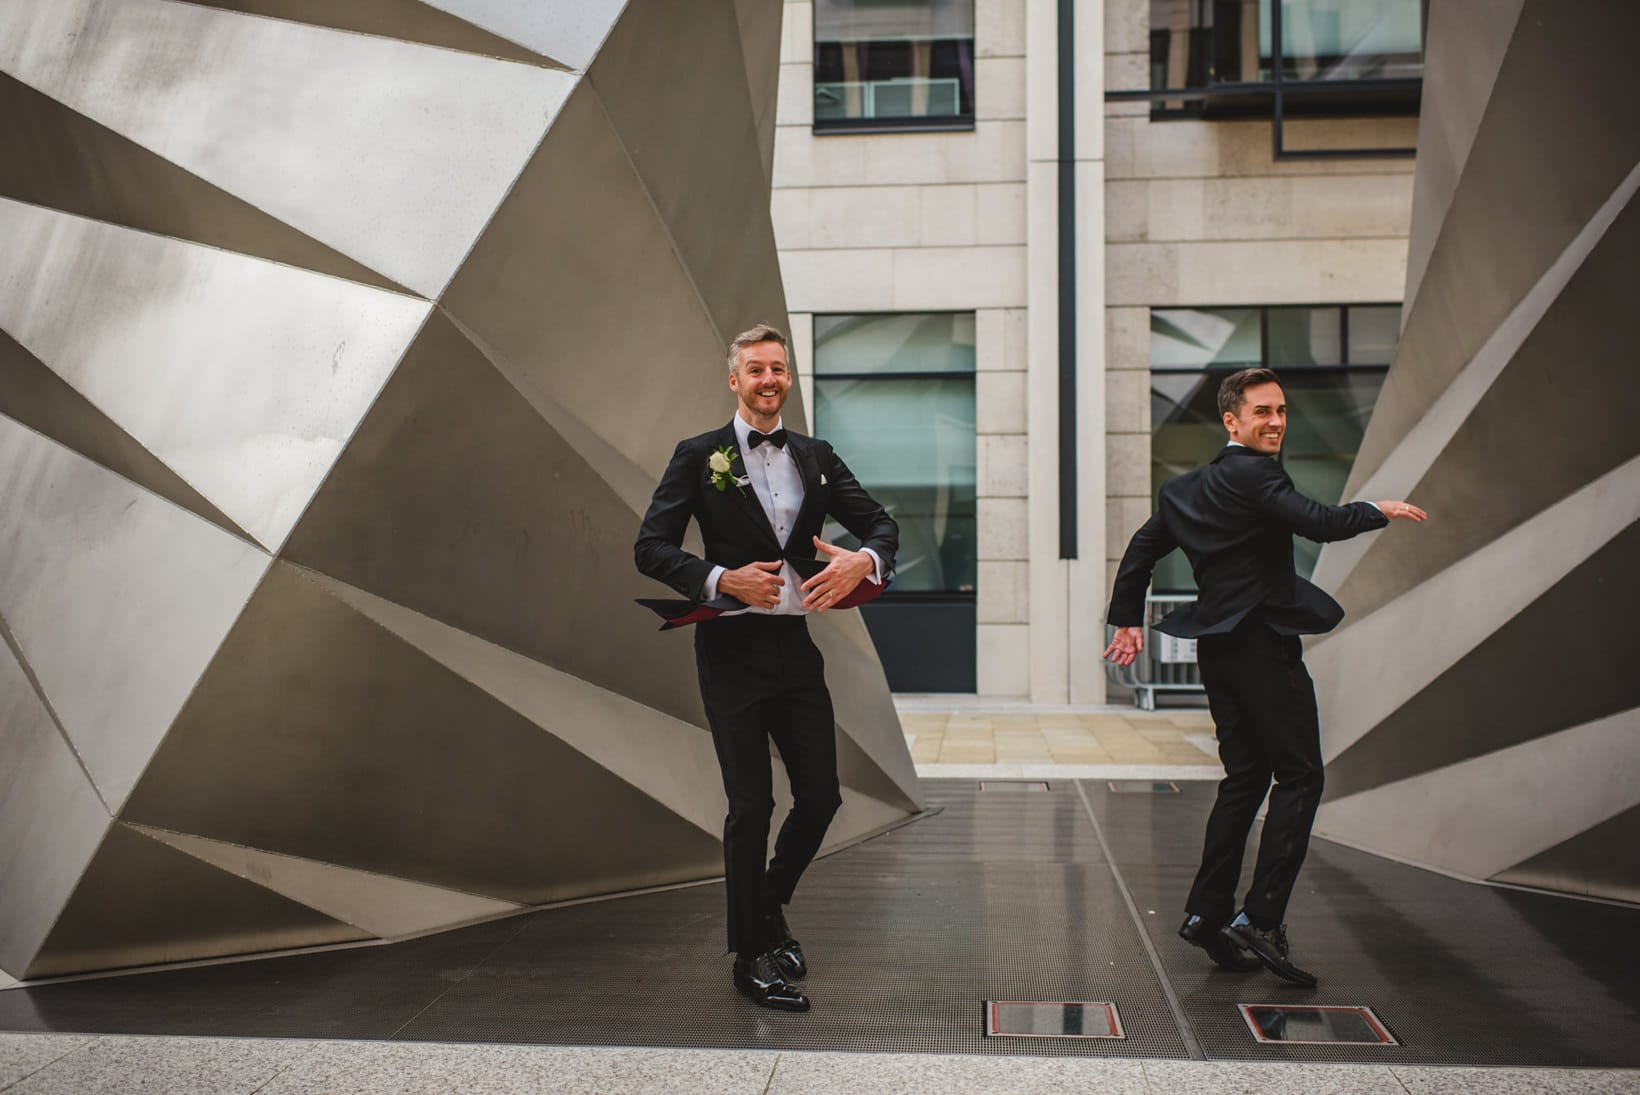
[[720, 464]]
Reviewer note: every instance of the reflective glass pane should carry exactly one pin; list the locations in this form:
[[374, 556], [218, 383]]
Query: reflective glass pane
[[910, 442], [1328, 416], [940, 342], [1374, 333], [1198, 337], [1346, 39], [893, 59], [1304, 336]]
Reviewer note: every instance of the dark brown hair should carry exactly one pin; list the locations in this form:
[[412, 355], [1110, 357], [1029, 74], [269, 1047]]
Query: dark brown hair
[[1233, 389], [762, 332]]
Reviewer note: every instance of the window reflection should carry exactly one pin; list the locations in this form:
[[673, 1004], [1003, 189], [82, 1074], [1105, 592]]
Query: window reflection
[[893, 62], [894, 395], [1225, 43]]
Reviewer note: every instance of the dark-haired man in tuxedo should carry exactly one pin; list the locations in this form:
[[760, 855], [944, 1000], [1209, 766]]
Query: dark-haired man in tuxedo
[[1235, 520], [761, 494]]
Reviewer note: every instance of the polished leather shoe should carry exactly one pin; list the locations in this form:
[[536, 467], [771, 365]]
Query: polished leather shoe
[[760, 981], [787, 951], [1219, 947], [1270, 945]]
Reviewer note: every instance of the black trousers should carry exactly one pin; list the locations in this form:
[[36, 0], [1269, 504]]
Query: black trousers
[[763, 678], [1263, 704]]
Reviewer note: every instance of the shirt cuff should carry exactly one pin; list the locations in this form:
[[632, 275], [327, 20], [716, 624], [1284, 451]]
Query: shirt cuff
[[876, 566], [708, 592], [1374, 505]]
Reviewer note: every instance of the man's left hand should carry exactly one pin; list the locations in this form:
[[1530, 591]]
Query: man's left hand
[[845, 571]]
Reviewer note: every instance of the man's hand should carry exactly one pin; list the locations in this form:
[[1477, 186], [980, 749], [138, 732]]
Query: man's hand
[[756, 584], [1404, 510], [1126, 645], [844, 572]]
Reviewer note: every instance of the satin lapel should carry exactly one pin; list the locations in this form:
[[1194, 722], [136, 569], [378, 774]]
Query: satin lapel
[[808, 466], [745, 499]]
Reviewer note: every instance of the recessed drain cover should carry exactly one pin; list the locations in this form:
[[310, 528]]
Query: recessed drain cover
[[1142, 787], [1035, 1019], [1314, 1025], [1012, 785]]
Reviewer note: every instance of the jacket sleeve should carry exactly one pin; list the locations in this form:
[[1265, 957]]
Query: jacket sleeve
[[659, 552], [1127, 599], [1274, 495], [860, 513]]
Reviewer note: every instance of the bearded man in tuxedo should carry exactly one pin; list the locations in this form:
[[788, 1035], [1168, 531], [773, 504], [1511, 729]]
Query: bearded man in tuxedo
[[761, 494], [1235, 520]]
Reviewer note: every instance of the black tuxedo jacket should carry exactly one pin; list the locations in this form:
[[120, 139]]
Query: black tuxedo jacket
[[1235, 520], [733, 525]]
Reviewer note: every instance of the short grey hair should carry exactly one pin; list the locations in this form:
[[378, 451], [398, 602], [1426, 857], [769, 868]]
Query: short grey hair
[[761, 332]]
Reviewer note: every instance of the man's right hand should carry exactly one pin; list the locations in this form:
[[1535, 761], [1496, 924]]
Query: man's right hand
[[755, 584], [1126, 645], [1403, 510]]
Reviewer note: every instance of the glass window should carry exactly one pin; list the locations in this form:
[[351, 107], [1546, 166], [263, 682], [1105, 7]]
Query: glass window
[[1304, 336], [894, 395], [1227, 46], [1331, 379], [1195, 338], [1345, 39], [1374, 332], [893, 63]]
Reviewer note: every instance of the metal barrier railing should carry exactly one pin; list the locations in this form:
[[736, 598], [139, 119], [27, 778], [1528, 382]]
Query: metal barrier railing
[[1166, 665]]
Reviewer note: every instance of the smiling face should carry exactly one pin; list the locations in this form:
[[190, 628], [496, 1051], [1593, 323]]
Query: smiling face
[[1261, 421], [762, 379]]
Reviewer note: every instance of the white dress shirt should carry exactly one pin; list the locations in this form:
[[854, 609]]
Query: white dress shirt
[[777, 484]]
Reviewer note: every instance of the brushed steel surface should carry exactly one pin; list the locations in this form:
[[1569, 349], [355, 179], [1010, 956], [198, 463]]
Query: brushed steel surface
[[391, 152], [568, 31], [116, 598], [141, 902], [51, 819], [321, 735], [370, 901], [277, 364]]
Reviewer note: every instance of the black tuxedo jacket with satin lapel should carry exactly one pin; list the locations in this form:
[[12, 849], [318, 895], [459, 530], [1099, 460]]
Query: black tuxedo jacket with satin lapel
[[1235, 520], [732, 522]]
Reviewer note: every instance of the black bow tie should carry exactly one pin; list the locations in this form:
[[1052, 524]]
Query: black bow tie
[[777, 438]]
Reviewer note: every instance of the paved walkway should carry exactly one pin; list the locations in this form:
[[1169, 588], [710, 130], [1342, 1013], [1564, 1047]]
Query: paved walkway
[[62, 1064], [961, 736]]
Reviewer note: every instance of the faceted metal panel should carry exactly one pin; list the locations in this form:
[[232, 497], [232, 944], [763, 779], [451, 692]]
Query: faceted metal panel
[[340, 349], [115, 600], [50, 814], [278, 363], [1478, 705], [141, 903], [394, 153]]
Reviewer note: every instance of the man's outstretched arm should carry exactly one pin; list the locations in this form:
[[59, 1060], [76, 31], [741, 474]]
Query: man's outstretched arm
[[1273, 494], [1127, 600]]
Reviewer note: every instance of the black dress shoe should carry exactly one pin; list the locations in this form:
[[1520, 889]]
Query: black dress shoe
[[760, 981], [1220, 948], [787, 951], [1271, 948]]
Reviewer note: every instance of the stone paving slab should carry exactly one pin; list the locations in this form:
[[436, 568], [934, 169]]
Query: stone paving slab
[[220, 1066], [962, 730]]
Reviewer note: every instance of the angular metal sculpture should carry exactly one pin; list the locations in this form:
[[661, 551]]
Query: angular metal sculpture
[[340, 347], [1481, 708]]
